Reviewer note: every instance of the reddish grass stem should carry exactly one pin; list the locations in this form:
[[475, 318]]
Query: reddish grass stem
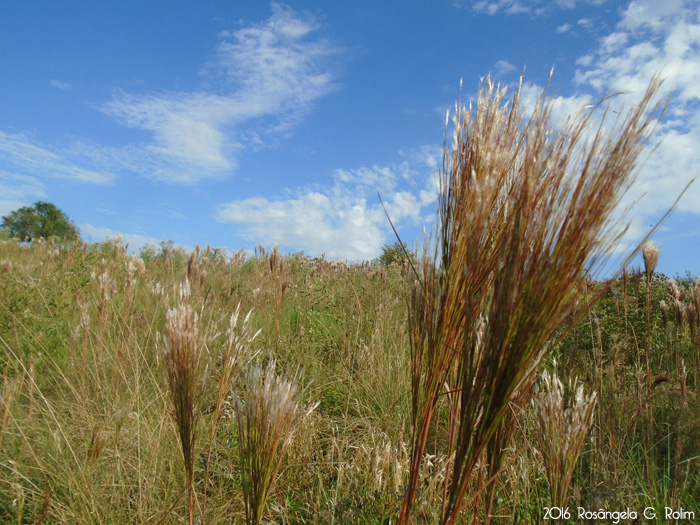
[[525, 217]]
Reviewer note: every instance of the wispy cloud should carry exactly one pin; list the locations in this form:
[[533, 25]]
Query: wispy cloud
[[186, 127], [503, 67], [317, 223], [515, 7], [60, 85], [20, 187], [23, 156], [18, 190], [274, 68], [101, 233], [267, 76], [651, 37], [264, 79], [562, 107], [346, 220], [511, 7]]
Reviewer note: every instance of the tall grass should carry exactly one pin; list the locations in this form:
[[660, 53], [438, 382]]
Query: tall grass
[[560, 431], [185, 360], [525, 217], [266, 423], [236, 350]]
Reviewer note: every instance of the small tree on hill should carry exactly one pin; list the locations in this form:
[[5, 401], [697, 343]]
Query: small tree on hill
[[395, 253], [43, 219]]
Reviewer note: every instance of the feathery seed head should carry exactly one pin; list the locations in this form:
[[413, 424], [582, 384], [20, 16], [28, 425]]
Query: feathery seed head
[[650, 253], [524, 217], [185, 371], [560, 431], [266, 425]]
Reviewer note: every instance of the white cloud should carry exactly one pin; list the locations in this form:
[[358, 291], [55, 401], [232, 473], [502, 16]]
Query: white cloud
[[651, 37], [60, 85], [514, 7], [585, 60], [269, 75], [346, 220], [22, 187], [503, 67], [313, 221], [610, 44], [563, 28], [508, 6], [92, 233], [562, 107], [655, 37], [22, 155], [274, 69], [189, 140], [265, 76]]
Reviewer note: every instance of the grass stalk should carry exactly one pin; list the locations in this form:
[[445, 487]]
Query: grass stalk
[[184, 367], [237, 345]]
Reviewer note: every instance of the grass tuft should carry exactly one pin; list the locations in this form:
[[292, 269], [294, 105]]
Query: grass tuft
[[185, 359], [266, 422], [560, 431], [525, 218]]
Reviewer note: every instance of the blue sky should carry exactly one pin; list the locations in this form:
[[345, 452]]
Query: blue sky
[[235, 124]]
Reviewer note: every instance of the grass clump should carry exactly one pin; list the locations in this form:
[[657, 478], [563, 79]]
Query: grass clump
[[560, 431], [266, 421], [185, 359], [525, 218]]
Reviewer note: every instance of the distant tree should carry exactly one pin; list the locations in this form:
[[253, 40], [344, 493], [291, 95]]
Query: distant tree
[[395, 253], [148, 252], [43, 219]]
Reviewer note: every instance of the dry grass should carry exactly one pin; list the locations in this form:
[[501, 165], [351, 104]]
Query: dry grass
[[88, 434], [525, 217], [237, 348], [185, 359], [560, 431], [266, 423]]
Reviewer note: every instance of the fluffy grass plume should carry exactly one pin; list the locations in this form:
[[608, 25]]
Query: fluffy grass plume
[[266, 422], [237, 347], [184, 365], [525, 216], [560, 432]]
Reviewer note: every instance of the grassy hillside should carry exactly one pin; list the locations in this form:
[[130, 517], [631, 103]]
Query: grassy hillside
[[89, 433]]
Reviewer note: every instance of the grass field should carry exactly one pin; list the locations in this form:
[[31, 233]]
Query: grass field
[[487, 378], [88, 433]]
